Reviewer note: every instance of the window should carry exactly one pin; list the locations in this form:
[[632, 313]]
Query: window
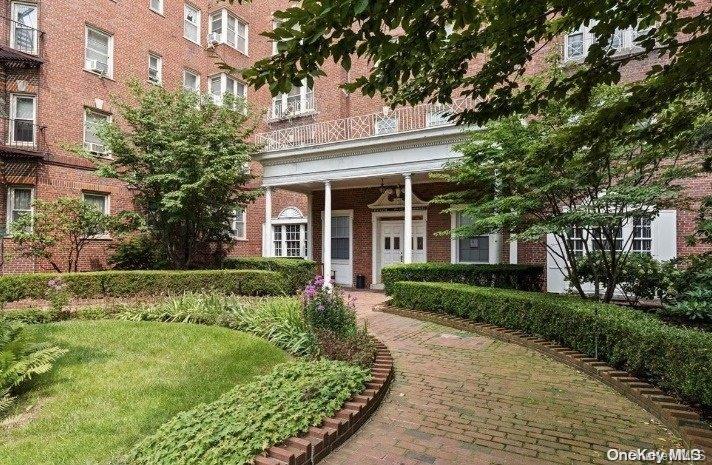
[[289, 234], [19, 202], [23, 28], [340, 238], [237, 224], [601, 243], [22, 121], [101, 203], [574, 46], [298, 101], [223, 84], [576, 240], [156, 5], [93, 120], [385, 125], [227, 29], [155, 69], [191, 81], [191, 24], [98, 54], [577, 43], [642, 235], [471, 249]]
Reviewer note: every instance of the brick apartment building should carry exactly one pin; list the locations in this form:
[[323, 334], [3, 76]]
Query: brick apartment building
[[332, 161]]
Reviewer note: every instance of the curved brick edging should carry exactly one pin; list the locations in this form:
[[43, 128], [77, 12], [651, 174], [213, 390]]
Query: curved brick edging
[[668, 410], [317, 443]]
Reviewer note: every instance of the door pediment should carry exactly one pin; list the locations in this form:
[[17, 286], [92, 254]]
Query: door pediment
[[390, 201]]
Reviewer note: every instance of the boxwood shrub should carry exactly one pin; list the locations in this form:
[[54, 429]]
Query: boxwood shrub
[[297, 272], [134, 283], [522, 277], [676, 359]]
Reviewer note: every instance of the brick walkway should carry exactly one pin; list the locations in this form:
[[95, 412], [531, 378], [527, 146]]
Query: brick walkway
[[459, 398]]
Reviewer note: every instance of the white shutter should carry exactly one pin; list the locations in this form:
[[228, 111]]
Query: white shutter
[[664, 233]]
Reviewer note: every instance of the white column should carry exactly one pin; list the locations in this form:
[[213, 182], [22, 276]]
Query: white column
[[408, 233], [326, 249], [267, 246], [513, 248]]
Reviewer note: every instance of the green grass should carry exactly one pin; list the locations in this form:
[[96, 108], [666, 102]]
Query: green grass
[[120, 381]]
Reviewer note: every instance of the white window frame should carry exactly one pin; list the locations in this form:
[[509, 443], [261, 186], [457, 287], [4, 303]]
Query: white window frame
[[35, 27], [13, 120], [195, 74], [90, 145], [224, 78], [159, 69], [110, 47], [224, 14], [10, 202], [186, 8], [494, 245], [234, 222], [107, 210], [280, 223], [306, 103], [158, 9], [627, 39], [275, 43]]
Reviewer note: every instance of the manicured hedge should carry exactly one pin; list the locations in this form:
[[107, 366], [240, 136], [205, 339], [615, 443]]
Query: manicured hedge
[[678, 360], [131, 283], [297, 272], [522, 277]]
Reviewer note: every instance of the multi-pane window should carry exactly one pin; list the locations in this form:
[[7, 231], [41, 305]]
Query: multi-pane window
[[93, 121], [577, 43], [297, 101], [277, 240], [23, 120], [576, 240], [574, 46], [19, 202], [223, 84], [293, 239], [156, 5], [471, 249], [228, 29], [191, 23], [191, 81], [23, 28], [340, 238], [601, 242], [101, 203], [98, 52], [642, 235], [155, 69], [237, 224]]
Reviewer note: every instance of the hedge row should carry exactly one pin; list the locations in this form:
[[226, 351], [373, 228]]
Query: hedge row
[[134, 283], [297, 272], [678, 360], [522, 277]]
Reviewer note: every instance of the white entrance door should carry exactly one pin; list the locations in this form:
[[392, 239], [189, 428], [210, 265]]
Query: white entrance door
[[419, 254], [391, 243]]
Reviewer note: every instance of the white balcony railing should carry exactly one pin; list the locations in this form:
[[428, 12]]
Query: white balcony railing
[[400, 120]]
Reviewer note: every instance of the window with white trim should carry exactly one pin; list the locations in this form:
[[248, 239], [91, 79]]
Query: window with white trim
[[340, 238], [298, 101], [223, 84], [289, 234], [577, 43], [156, 5], [576, 239], [19, 202], [275, 43], [23, 120], [191, 81], [471, 249], [237, 224], [100, 202], [93, 121], [600, 242], [191, 23], [155, 69], [24, 34], [229, 29], [99, 51], [642, 235]]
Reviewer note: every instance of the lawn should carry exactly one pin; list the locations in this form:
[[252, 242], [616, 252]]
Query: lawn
[[120, 381]]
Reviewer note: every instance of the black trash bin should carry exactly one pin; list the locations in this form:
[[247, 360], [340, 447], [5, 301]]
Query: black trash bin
[[360, 281]]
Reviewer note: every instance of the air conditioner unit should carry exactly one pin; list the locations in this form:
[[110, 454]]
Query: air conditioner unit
[[98, 149], [97, 66], [213, 38]]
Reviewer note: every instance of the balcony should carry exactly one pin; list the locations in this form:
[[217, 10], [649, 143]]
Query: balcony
[[384, 123], [20, 138]]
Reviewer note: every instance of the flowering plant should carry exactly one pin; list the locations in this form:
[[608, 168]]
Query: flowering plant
[[327, 308]]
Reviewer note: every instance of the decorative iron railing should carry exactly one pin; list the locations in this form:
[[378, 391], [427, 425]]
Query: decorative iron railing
[[400, 120], [23, 37], [21, 134]]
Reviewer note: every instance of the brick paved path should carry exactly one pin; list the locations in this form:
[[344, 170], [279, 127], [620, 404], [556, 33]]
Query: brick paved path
[[459, 398]]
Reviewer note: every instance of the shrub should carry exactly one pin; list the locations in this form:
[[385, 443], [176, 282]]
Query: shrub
[[358, 348], [694, 305], [20, 359], [138, 252], [692, 291], [245, 421], [297, 272], [135, 283], [678, 360], [326, 309], [522, 277]]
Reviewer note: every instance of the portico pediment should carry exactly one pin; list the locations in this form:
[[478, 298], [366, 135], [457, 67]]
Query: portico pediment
[[389, 200]]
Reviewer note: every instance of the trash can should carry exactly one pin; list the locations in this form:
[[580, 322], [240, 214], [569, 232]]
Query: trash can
[[360, 281]]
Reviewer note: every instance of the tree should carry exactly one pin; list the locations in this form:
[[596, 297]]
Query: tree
[[58, 231], [186, 159], [509, 179]]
